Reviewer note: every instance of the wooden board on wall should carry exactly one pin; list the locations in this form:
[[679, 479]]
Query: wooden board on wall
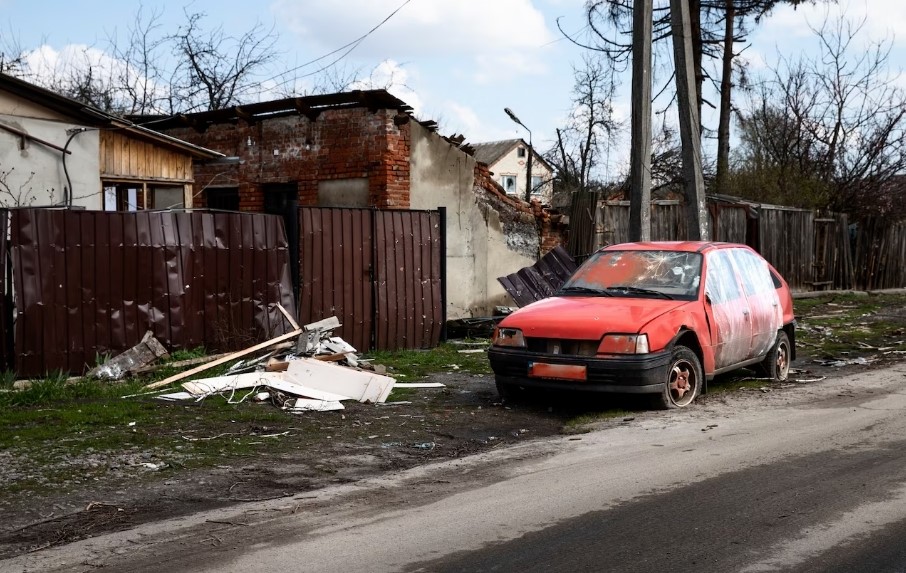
[[126, 157]]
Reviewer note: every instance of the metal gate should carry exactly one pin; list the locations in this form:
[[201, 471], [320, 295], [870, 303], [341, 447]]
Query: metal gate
[[379, 272]]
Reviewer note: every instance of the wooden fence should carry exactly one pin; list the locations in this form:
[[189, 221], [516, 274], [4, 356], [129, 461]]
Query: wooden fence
[[812, 250]]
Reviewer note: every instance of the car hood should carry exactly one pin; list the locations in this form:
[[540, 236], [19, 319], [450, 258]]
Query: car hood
[[587, 318]]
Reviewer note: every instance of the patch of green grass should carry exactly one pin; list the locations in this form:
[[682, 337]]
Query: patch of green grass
[[407, 365], [582, 421], [734, 384], [845, 324]]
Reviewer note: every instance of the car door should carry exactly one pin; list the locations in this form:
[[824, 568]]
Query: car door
[[765, 313], [727, 309]]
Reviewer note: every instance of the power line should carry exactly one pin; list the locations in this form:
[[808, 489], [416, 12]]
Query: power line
[[351, 46]]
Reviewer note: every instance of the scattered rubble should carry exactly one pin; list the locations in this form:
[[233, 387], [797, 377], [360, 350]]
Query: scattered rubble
[[316, 373], [139, 356]]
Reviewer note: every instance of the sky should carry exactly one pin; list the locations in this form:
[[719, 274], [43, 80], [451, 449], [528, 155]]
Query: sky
[[458, 62]]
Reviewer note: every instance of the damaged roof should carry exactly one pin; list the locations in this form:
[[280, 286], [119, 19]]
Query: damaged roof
[[95, 117], [309, 106]]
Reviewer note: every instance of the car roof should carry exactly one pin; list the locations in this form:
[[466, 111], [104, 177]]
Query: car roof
[[680, 246]]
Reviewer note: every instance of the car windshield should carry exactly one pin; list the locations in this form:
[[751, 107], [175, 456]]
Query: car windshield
[[638, 274]]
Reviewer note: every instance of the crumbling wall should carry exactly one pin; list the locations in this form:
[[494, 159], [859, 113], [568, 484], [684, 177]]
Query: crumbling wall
[[337, 145], [484, 239]]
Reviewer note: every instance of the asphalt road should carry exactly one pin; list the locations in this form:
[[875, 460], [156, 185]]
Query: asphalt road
[[810, 478]]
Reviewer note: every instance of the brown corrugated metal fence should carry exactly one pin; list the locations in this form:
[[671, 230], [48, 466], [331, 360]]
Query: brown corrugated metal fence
[[92, 283], [6, 294], [379, 272]]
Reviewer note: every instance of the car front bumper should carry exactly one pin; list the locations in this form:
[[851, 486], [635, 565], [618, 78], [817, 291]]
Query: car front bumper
[[629, 373]]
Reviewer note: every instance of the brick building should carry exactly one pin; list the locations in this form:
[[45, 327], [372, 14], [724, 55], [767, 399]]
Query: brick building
[[365, 149]]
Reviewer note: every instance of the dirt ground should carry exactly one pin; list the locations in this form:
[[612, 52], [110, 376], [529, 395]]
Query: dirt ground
[[326, 448]]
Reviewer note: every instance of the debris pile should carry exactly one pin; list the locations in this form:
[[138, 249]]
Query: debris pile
[[315, 372], [306, 369]]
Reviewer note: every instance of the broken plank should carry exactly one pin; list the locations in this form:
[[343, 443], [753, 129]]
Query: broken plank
[[359, 385], [225, 359], [289, 317], [419, 385], [216, 384], [309, 405], [326, 324], [180, 363], [330, 357], [290, 386], [145, 352]]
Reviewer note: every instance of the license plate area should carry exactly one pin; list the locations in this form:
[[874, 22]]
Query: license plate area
[[557, 371]]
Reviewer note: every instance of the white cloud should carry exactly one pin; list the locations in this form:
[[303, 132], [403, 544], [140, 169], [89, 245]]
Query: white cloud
[[502, 34], [882, 19], [393, 77]]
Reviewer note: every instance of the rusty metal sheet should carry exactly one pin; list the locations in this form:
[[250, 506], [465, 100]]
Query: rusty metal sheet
[[377, 271], [92, 283], [6, 292], [408, 282], [540, 280]]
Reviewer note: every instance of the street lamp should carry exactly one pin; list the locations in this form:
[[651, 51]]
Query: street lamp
[[528, 165]]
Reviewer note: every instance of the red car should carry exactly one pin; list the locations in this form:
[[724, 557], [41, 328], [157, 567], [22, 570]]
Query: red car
[[657, 318]]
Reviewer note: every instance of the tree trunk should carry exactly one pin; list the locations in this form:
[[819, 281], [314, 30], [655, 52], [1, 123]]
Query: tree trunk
[[726, 88], [640, 144]]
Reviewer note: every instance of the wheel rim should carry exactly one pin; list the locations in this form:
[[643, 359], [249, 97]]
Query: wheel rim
[[783, 361], [683, 383]]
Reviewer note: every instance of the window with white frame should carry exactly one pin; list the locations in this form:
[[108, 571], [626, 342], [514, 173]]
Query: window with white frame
[[508, 182], [520, 152], [537, 182]]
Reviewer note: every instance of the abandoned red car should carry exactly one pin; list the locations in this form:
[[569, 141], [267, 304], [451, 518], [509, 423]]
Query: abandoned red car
[[657, 318]]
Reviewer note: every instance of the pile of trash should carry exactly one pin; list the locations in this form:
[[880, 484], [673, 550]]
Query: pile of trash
[[307, 369]]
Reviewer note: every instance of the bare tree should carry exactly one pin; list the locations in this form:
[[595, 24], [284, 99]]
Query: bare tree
[[717, 26], [838, 120], [18, 193], [149, 71], [215, 70], [591, 125]]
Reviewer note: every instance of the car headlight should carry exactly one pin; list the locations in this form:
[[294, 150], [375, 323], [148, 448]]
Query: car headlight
[[624, 344], [509, 337]]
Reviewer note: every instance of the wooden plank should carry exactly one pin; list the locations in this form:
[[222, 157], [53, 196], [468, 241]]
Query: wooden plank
[[225, 359]]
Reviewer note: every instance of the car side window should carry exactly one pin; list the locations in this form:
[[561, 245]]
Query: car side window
[[721, 283], [753, 271]]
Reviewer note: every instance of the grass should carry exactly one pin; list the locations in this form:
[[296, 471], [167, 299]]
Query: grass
[[849, 324], [581, 423], [410, 365], [55, 427]]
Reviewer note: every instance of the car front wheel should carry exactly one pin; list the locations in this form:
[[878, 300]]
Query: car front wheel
[[684, 380]]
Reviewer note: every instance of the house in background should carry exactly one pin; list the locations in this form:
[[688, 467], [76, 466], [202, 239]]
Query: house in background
[[508, 163], [58, 151], [365, 149]]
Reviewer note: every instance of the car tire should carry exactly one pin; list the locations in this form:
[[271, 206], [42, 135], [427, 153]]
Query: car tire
[[776, 365], [684, 380]]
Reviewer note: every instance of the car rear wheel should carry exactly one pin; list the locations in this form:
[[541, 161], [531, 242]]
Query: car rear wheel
[[776, 364], [684, 380]]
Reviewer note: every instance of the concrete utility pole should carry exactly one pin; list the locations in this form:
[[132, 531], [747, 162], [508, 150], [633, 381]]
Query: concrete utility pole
[[640, 145], [697, 223]]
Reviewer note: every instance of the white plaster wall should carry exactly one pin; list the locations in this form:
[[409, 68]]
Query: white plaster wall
[[511, 164], [34, 173], [477, 249]]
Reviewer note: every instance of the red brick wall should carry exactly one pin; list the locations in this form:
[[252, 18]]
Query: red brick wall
[[338, 144]]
